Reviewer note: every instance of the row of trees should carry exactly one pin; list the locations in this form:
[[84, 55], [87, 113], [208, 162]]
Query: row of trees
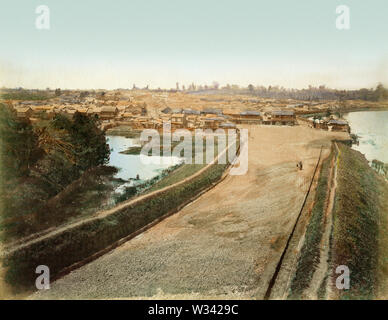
[[38, 162], [311, 93], [274, 92]]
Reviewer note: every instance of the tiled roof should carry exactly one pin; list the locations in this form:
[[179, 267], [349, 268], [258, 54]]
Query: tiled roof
[[283, 113], [250, 113], [340, 122]]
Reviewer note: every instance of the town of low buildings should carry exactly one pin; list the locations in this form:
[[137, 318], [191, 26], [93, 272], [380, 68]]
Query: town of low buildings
[[143, 110]]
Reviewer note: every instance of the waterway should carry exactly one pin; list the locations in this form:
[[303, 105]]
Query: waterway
[[132, 165], [372, 129]]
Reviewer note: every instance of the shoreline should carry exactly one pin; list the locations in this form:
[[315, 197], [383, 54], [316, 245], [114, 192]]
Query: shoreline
[[342, 110]]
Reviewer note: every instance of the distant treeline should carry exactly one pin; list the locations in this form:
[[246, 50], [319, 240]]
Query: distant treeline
[[321, 93], [311, 93], [272, 92], [25, 95]]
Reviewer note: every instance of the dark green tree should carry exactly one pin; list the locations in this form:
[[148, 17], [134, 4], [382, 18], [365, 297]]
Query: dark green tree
[[88, 140], [19, 144]]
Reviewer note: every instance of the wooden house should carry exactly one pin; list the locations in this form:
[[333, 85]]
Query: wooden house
[[24, 112], [320, 124], [227, 125], [192, 122], [126, 116], [191, 112], [141, 122], [166, 110], [165, 117], [176, 110], [232, 114], [338, 125], [211, 122], [283, 117], [46, 112], [211, 111], [250, 117], [108, 112], [93, 111], [178, 121]]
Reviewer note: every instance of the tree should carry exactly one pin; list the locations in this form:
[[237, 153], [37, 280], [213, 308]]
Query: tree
[[89, 142], [18, 143], [40, 162], [380, 93]]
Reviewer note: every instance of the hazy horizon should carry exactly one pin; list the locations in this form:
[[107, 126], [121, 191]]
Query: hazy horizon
[[98, 44], [220, 88]]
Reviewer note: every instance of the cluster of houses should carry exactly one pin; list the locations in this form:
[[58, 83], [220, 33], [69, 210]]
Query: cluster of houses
[[117, 113], [105, 109], [114, 113], [121, 108], [329, 124], [206, 119]]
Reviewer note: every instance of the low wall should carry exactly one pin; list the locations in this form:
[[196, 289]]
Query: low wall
[[69, 245]]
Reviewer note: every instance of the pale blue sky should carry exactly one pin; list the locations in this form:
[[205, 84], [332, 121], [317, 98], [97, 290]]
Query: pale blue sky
[[110, 44]]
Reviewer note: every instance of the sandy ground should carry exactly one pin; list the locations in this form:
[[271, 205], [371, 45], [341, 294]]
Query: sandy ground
[[225, 244]]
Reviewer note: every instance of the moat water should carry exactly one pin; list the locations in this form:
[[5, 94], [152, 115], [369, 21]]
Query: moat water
[[372, 129], [131, 165]]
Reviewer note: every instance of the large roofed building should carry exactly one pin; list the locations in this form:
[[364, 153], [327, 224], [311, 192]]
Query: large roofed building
[[282, 117], [108, 112]]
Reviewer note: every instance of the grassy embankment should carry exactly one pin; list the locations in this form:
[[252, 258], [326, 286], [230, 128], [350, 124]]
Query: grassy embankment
[[81, 198], [76, 243], [359, 233], [381, 291], [310, 252], [124, 131], [359, 220]]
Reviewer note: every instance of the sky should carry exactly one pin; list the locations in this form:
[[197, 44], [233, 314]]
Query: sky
[[118, 43]]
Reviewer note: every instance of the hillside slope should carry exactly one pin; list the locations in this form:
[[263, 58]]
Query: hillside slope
[[359, 222]]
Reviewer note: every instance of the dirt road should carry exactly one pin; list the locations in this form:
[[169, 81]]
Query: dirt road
[[225, 244]]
